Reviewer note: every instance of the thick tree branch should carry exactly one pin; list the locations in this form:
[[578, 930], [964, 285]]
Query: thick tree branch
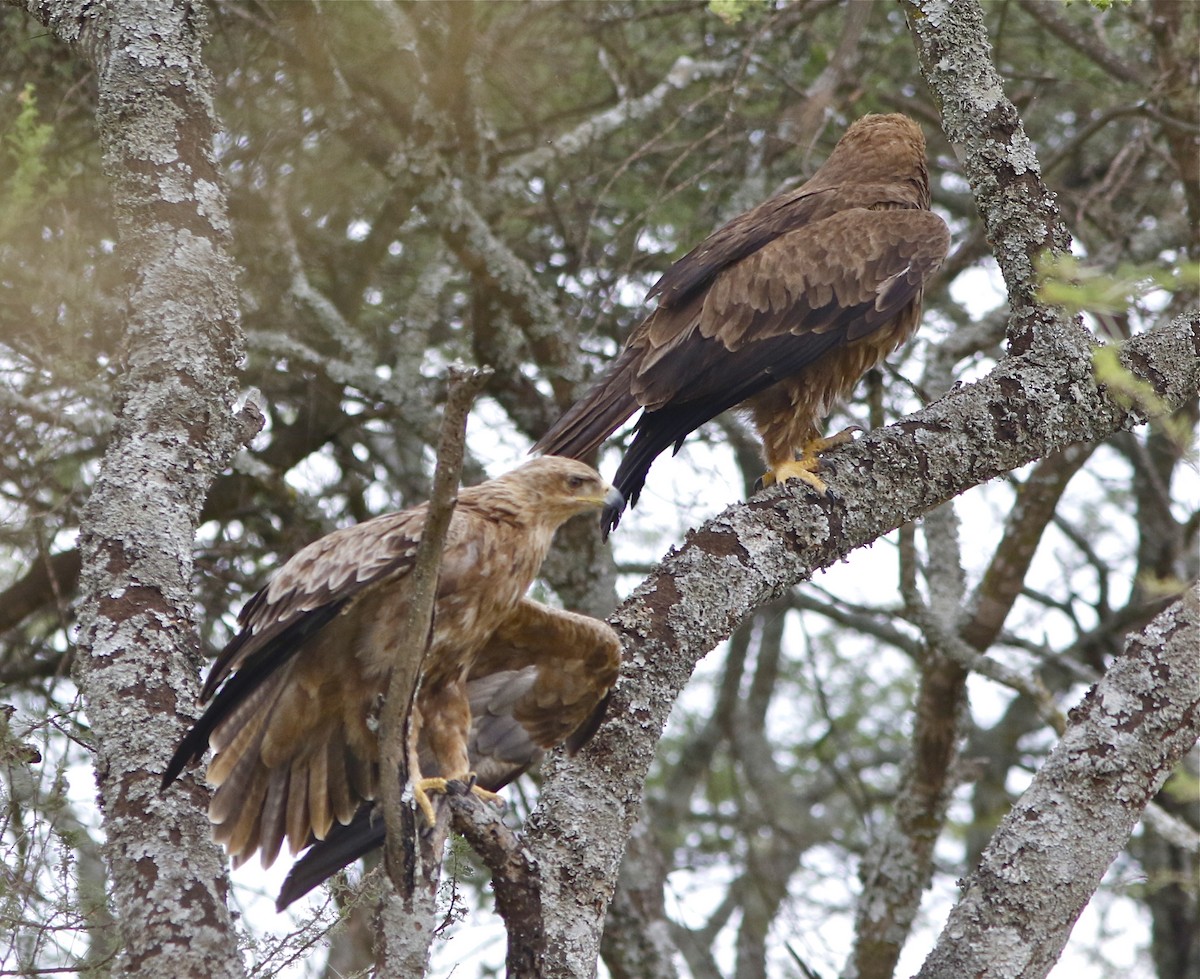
[[1020, 214], [1026, 408], [1052, 849], [174, 430], [514, 879]]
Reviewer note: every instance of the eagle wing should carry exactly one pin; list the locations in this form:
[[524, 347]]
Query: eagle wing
[[543, 679], [781, 307], [288, 718]]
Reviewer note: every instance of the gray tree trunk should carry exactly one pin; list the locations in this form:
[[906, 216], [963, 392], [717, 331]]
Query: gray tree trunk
[[175, 430]]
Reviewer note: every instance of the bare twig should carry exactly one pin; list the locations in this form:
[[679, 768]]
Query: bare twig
[[403, 861]]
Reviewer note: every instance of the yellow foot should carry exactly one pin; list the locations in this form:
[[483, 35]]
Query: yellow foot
[[421, 789], [802, 469], [424, 786], [805, 468]]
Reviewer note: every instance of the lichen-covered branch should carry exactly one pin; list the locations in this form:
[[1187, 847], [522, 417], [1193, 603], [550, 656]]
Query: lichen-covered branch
[[174, 431], [1020, 214], [1026, 408], [1052, 849], [514, 880]]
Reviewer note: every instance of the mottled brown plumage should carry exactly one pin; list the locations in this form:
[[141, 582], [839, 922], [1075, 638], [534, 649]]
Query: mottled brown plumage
[[294, 694], [540, 681], [779, 312]]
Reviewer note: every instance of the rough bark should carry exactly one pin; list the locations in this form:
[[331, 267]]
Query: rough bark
[[1019, 213], [1049, 854], [514, 881], [1026, 408], [637, 940], [175, 429]]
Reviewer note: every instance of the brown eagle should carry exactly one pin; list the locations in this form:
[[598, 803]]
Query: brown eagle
[[779, 312], [296, 692]]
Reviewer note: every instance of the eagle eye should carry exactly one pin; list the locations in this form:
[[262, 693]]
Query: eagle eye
[[576, 481]]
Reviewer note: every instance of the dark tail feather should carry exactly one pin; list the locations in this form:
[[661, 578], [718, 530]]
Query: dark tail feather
[[594, 417], [649, 441], [656, 432], [340, 848]]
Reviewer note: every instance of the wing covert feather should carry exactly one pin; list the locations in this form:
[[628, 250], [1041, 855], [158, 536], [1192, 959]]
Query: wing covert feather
[[849, 275]]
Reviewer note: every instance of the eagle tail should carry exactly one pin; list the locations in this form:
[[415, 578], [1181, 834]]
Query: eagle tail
[[594, 417], [657, 431], [649, 442]]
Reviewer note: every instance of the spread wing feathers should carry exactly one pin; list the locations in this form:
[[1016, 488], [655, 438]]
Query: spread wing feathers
[[319, 584], [543, 679], [294, 754], [324, 573]]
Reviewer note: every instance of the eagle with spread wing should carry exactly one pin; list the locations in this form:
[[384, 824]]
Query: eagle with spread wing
[[779, 312], [295, 694]]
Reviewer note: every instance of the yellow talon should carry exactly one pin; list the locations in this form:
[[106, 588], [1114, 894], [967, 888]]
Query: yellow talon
[[422, 788], [801, 469], [805, 468]]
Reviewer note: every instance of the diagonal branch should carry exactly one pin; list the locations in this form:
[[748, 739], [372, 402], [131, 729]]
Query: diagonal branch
[[514, 879], [1049, 854], [1026, 408]]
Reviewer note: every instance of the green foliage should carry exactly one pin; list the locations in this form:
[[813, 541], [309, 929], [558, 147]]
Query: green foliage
[[732, 11], [23, 151], [1067, 282], [1138, 395]]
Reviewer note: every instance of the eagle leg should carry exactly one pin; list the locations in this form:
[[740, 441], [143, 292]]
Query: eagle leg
[[805, 468]]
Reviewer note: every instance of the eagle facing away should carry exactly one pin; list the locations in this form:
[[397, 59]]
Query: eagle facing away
[[295, 693], [780, 312]]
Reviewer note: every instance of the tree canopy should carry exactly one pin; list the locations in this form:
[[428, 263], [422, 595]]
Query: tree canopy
[[412, 185]]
